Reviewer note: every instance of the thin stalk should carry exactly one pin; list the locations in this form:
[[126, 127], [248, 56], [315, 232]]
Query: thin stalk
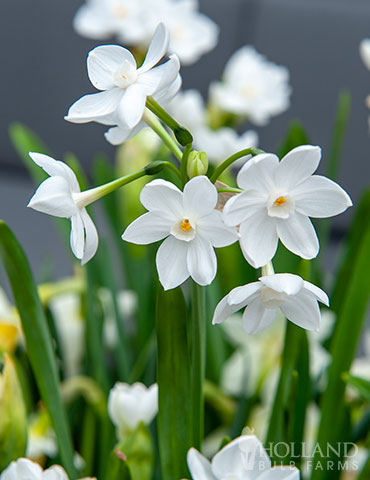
[[184, 163], [197, 356], [172, 167], [229, 189], [159, 129], [225, 164]]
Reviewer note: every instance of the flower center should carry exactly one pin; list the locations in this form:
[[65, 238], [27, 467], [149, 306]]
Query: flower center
[[125, 75], [250, 91], [184, 230], [271, 298], [280, 206], [185, 225], [120, 11]]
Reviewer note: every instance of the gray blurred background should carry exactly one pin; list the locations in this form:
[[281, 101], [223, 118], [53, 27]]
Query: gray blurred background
[[43, 71]]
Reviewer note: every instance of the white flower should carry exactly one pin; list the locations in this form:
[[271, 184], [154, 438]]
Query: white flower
[[365, 52], [60, 195], [277, 200], [188, 108], [190, 225], [243, 458], [252, 86], [128, 405], [24, 469], [133, 22], [125, 87], [296, 298]]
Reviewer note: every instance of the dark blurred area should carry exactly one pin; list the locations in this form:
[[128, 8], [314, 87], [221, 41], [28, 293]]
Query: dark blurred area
[[43, 71]]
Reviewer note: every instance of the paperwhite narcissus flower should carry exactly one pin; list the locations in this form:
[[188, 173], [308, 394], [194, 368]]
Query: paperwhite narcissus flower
[[25, 469], [128, 405], [190, 225], [125, 87], [296, 298], [277, 200], [243, 458], [192, 33], [252, 86], [60, 196], [218, 144]]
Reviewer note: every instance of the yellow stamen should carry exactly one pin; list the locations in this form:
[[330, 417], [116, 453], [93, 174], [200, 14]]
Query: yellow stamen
[[280, 201], [185, 225], [123, 77]]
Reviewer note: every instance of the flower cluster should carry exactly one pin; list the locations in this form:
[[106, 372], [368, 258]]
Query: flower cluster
[[133, 22]]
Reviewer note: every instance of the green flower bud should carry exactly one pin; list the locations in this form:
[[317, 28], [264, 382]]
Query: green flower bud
[[183, 136], [13, 421], [197, 164]]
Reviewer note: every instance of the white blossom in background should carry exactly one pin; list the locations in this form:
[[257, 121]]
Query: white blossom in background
[[277, 201], [189, 110], [128, 405], [10, 325], [25, 469], [60, 196], [243, 458], [124, 87], [190, 225], [361, 365], [41, 439], [296, 298], [252, 86], [133, 22], [365, 52]]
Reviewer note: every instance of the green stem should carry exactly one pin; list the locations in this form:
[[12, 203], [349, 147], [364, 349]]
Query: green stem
[[197, 356], [184, 163], [225, 164], [229, 190], [172, 167], [159, 129]]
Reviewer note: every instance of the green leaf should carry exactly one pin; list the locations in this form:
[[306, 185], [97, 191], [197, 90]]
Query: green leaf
[[139, 452], [360, 384], [295, 137], [38, 340], [173, 376]]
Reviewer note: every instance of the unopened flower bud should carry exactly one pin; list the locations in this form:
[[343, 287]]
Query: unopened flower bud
[[197, 164]]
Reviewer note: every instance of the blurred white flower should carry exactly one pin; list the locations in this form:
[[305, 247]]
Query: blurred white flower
[[41, 439], [70, 326], [190, 225], [133, 22], [252, 86], [296, 298], [10, 325], [60, 196], [128, 405], [277, 200], [188, 108], [361, 365], [125, 87], [25, 469], [365, 52], [242, 458]]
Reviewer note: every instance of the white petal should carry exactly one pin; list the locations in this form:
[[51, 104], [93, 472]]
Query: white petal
[[91, 237], [157, 48], [242, 206], [22, 468], [258, 173], [244, 457], [224, 310], [213, 228], [131, 107], [162, 196], [77, 237], [89, 23], [256, 318], [167, 94], [243, 294], [280, 473], [317, 292], [118, 135], [148, 228], [258, 239], [160, 77], [199, 466], [95, 107], [200, 197], [283, 283], [103, 61], [320, 197], [55, 472], [171, 262], [55, 167], [202, 261], [298, 235], [303, 310], [297, 166], [54, 198]]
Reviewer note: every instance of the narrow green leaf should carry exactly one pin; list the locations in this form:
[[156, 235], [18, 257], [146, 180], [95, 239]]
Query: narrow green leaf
[[295, 136], [360, 384], [173, 376], [38, 340]]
